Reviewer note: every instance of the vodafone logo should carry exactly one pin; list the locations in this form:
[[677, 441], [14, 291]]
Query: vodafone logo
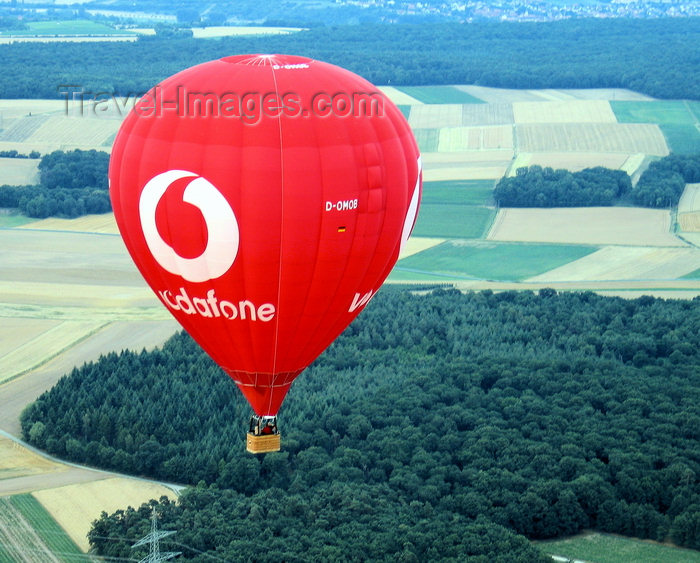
[[222, 227]]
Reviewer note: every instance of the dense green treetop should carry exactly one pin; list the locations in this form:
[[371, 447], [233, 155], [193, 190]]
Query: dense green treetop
[[562, 54], [541, 414]]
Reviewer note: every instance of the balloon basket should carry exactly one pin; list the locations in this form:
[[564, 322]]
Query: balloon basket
[[263, 444]]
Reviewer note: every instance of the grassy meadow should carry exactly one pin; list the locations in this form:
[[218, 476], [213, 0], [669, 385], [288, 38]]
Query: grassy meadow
[[607, 548]]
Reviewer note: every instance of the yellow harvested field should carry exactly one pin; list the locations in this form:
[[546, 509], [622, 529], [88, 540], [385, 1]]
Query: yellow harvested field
[[689, 222], [419, 244], [633, 162], [18, 329], [228, 31], [628, 138], [75, 131], [10, 109], [628, 226], [573, 161], [75, 507], [568, 111], [44, 346], [18, 461], [79, 301], [690, 199], [689, 209], [473, 172], [627, 263], [19, 171], [399, 97], [475, 138], [433, 116], [102, 223]]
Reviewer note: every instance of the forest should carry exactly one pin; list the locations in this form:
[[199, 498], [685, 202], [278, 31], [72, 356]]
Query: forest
[[534, 186], [660, 185], [71, 184], [577, 53], [439, 426]]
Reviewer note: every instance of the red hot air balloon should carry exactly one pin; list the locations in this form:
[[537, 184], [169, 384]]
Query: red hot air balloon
[[265, 198]]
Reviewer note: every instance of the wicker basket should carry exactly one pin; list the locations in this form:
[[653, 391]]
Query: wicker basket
[[262, 444]]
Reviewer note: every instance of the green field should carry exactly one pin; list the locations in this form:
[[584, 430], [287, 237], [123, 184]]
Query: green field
[[694, 108], [439, 95], [489, 261], [67, 27], [453, 221], [692, 275], [682, 138], [14, 220], [46, 528], [460, 192], [604, 548], [665, 111], [427, 139]]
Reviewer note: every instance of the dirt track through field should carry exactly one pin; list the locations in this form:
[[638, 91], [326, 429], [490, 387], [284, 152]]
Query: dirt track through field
[[19, 539]]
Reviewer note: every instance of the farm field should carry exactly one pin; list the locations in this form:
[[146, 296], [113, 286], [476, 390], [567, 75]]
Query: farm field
[[628, 138], [19, 171], [458, 192], [68, 27], [19, 539], [440, 94], [16, 461], [627, 263], [608, 548], [689, 209], [488, 261], [631, 226], [103, 223], [36, 349], [74, 507], [453, 221], [565, 111]]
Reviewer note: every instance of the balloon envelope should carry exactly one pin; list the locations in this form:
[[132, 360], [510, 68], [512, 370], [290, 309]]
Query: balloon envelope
[[265, 198]]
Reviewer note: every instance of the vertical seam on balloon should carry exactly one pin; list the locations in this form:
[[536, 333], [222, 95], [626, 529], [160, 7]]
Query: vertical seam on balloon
[[279, 269]]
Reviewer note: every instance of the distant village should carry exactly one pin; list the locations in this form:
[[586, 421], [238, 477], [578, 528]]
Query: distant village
[[533, 10]]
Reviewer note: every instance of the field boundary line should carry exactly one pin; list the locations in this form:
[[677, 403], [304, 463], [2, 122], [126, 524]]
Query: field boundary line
[[47, 359]]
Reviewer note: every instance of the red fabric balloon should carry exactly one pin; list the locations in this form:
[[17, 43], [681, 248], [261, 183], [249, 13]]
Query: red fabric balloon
[[265, 199]]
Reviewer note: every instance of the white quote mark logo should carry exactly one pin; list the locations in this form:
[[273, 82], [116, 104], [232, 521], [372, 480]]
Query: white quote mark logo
[[222, 227], [412, 208]]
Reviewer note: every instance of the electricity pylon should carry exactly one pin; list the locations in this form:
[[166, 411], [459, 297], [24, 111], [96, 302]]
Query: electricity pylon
[[153, 539]]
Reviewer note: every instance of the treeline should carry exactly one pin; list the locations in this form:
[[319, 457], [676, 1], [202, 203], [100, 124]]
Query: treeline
[[17, 154], [660, 185], [595, 53], [534, 186], [430, 418], [72, 184]]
